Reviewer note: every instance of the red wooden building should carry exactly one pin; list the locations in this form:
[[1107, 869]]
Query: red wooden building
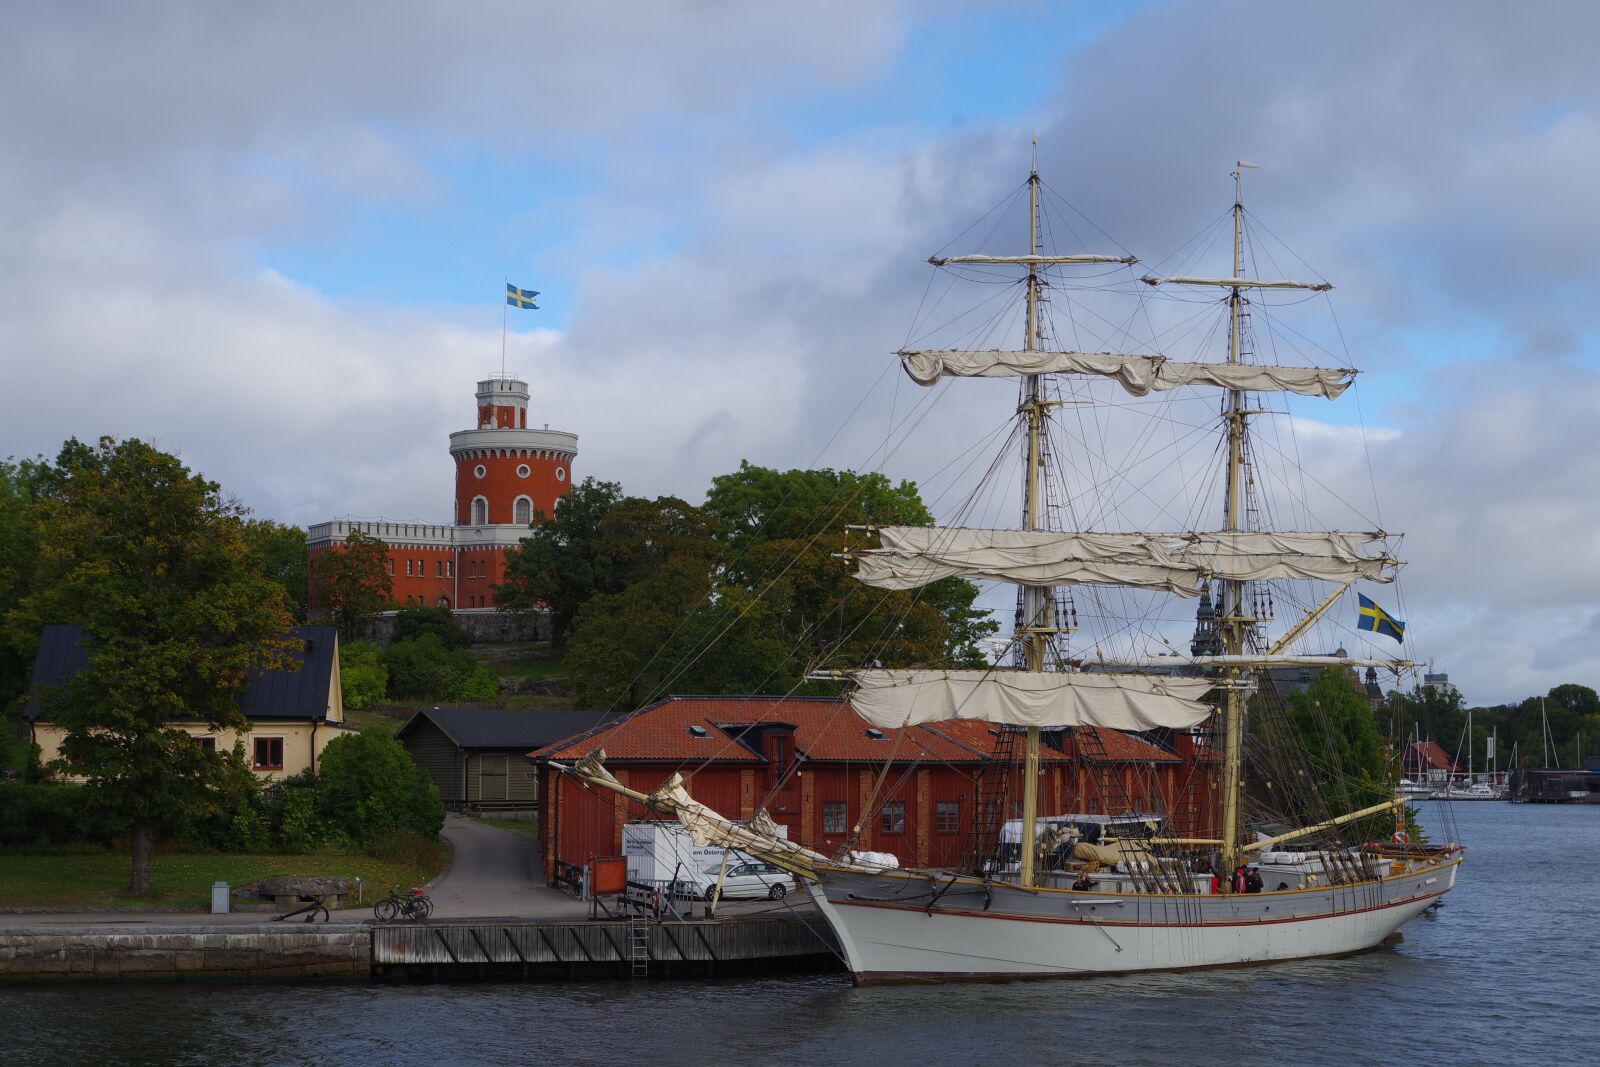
[[818, 769]]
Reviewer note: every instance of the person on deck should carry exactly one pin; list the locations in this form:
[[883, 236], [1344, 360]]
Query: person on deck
[[1252, 880], [1241, 884]]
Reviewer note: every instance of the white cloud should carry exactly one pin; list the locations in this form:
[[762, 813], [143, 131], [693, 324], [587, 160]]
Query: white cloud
[[1430, 159]]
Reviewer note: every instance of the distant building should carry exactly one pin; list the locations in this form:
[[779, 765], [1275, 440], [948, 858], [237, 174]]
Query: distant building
[[506, 474], [293, 714], [1439, 681]]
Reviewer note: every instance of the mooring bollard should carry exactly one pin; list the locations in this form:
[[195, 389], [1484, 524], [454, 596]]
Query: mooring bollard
[[219, 898]]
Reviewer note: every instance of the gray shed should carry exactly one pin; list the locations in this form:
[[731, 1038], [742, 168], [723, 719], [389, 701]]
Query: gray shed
[[476, 755]]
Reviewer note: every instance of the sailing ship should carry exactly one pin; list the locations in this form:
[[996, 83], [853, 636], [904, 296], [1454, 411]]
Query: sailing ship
[[1065, 900]]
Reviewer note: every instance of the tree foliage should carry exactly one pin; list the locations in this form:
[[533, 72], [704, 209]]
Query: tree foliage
[[363, 679], [369, 786], [556, 565], [414, 622], [280, 552], [1560, 727], [744, 594], [423, 668], [155, 565], [351, 582]]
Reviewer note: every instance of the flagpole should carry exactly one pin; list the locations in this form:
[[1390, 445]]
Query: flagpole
[[504, 303]]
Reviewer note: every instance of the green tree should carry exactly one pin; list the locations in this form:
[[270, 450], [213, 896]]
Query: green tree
[[281, 554], [556, 566], [363, 679], [351, 582], [424, 668], [155, 565], [414, 622], [783, 531], [369, 786], [665, 625], [1334, 738]]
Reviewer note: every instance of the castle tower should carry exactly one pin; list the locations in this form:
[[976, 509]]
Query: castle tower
[[506, 475], [505, 472]]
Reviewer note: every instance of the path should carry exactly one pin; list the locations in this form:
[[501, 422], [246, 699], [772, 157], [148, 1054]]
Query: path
[[491, 874]]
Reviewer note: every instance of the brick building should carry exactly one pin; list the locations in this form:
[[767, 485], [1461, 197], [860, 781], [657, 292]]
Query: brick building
[[506, 474], [818, 768]]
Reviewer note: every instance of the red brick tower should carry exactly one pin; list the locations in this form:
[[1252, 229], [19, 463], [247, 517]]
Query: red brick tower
[[506, 475]]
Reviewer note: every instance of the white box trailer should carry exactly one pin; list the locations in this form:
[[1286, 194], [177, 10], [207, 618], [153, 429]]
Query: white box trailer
[[659, 852]]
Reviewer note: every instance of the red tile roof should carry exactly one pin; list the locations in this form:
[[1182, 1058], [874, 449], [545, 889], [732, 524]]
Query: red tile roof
[[825, 729], [1123, 748], [982, 737], [1429, 754]]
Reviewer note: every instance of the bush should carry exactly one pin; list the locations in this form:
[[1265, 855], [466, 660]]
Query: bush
[[369, 787], [481, 684], [412, 623], [43, 816], [229, 819], [363, 679], [424, 667]]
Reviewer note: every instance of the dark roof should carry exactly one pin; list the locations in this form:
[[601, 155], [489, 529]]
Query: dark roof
[[506, 727], [301, 694]]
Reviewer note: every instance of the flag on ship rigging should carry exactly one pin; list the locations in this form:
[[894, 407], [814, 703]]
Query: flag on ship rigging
[[1371, 617], [521, 298]]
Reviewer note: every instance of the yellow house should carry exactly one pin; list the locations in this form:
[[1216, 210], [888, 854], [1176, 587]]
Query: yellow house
[[292, 714]]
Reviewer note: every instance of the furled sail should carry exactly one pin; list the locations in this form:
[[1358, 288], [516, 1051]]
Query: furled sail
[[1137, 374], [914, 556], [893, 698]]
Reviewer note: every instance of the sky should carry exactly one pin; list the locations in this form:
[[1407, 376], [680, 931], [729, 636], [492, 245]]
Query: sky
[[273, 238]]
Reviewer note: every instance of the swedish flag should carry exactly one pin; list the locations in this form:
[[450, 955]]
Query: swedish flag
[[520, 298], [1374, 618]]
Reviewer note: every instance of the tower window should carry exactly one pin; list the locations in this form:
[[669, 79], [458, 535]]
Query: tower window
[[408, 568], [388, 566], [523, 471], [479, 471], [449, 569], [522, 511], [480, 510], [438, 568], [561, 474]]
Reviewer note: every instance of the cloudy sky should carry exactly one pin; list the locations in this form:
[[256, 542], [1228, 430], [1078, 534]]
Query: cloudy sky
[[272, 238]]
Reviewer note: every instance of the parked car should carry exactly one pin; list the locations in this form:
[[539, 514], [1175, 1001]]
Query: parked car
[[750, 878]]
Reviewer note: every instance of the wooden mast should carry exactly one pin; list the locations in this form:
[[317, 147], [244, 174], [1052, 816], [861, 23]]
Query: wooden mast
[[1034, 598], [1233, 622]]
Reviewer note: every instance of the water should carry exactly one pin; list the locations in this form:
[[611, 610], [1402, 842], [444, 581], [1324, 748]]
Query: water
[[1502, 974]]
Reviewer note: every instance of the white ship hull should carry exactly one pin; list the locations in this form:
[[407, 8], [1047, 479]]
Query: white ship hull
[[891, 928]]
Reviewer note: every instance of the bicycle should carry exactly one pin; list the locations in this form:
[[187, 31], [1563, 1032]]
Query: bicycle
[[415, 905]]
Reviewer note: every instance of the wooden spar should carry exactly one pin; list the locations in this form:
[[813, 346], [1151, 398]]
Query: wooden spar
[[1340, 820], [1311, 616]]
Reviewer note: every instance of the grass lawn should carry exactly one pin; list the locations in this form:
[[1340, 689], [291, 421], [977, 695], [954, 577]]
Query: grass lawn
[[178, 879], [385, 719], [528, 828]]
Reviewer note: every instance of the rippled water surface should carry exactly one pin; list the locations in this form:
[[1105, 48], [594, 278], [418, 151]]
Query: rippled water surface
[[1502, 974]]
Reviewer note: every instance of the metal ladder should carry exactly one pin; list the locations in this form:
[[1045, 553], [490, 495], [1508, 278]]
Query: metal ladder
[[639, 946]]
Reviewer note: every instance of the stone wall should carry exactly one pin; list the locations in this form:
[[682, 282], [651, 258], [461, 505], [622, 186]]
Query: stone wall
[[235, 951], [483, 626]]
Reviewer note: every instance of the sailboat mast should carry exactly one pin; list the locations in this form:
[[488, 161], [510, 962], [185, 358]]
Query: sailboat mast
[[1033, 597], [1233, 621]]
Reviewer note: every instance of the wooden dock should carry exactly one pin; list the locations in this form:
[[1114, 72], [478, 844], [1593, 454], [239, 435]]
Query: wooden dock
[[620, 948]]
